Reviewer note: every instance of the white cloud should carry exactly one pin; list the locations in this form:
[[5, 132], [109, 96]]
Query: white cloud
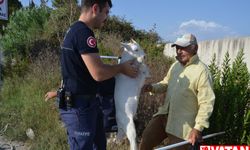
[[201, 25], [204, 30]]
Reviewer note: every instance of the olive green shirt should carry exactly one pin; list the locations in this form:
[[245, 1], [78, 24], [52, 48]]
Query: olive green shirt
[[189, 99]]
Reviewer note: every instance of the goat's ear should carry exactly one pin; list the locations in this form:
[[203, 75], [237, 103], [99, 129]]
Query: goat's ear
[[126, 47], [123, 44], [133, 41]]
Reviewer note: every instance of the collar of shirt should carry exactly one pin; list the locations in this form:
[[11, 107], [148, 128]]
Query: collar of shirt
[[193, 59]]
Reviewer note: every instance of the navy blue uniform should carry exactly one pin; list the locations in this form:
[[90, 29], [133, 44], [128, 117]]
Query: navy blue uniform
[[106, 95], [84, 120]]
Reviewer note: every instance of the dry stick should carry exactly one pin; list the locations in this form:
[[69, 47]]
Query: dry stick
[[4, 129]]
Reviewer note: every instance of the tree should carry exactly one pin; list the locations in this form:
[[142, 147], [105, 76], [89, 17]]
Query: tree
[[60, 19], [43, 3], [61, 3], [25, 27], [13, 5], [31, 4]]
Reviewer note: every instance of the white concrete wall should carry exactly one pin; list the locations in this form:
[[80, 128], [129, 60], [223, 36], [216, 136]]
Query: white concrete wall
[[219, 47]]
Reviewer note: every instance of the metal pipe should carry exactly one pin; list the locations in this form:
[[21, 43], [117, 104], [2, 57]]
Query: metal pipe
[[186, 142], [111, 57]]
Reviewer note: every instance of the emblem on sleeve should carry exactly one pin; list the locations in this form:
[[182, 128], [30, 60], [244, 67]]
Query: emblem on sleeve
[[91, 41]]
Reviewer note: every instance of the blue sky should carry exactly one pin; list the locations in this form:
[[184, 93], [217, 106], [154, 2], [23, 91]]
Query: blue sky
[[207, 19]]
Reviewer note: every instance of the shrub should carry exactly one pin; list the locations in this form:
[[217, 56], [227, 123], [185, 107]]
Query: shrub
[[60, 19], [125, 29], [13, 5], [24, 28], [117, 25], [231, 114]]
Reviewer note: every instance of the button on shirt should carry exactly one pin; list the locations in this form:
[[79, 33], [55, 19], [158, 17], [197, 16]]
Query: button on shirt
[[189, 99]]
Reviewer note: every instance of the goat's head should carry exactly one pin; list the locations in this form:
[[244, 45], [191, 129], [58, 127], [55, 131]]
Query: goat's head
[[134, 50]]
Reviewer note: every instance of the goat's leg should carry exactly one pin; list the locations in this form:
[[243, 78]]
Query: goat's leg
[[131, 134], [121, 126], [120, 134]]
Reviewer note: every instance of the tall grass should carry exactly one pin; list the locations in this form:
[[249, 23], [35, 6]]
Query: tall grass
[[23, 105]]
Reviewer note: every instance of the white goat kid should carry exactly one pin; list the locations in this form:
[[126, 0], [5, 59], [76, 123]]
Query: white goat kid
[[127, 92]]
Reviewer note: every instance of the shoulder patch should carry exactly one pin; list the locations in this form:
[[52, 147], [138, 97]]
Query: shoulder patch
[[91, 41]]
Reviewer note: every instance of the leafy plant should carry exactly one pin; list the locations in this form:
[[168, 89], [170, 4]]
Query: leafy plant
[[231, 86], [13, 5], [65, 14], [25, 27]]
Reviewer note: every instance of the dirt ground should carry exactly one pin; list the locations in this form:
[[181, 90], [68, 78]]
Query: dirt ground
[[12, 145]]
